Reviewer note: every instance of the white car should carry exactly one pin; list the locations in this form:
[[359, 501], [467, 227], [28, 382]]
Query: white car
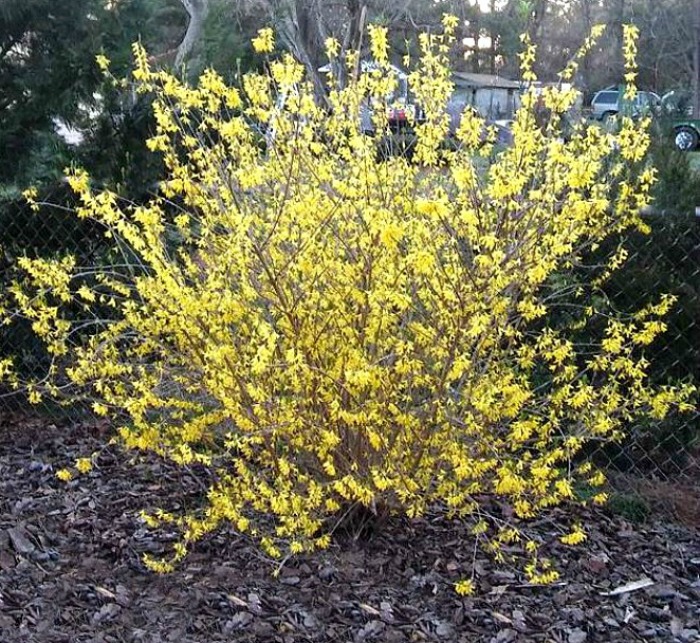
[[606, 103]]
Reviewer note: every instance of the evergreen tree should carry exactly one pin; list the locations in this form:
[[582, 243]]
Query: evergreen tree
[[49, 77]]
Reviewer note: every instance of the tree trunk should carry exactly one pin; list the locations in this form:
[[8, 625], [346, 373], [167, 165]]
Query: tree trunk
[[696, 63], [536, 20], [585, 69], [352, 39], [301, 29], [617, 28], [197, 11]]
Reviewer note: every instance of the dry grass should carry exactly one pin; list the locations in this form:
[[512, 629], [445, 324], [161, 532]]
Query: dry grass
[[679, 500]]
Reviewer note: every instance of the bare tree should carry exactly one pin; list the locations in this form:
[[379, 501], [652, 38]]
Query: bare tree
[[305, 25]]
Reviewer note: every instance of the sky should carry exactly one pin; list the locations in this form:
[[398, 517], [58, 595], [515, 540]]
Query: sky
[[485, 5]]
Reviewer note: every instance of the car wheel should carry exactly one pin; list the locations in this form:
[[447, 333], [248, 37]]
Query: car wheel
[[686, 139]]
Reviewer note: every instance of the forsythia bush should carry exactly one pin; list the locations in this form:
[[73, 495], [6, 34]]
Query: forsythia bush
[[321, 326]]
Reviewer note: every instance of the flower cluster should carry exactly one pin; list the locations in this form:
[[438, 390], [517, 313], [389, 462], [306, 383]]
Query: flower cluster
[[323, 326]]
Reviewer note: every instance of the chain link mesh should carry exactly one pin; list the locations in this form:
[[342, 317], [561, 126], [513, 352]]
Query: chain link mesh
[[667, 260], [660, 460], [52, 232]]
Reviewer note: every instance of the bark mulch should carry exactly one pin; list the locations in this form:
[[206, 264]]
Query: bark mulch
[[71, 571]]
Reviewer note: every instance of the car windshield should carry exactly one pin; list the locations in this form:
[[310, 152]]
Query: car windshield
[[648, 98]]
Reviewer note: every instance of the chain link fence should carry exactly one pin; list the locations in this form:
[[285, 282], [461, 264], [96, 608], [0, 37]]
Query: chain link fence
[[657, 466], [667, 260], [51, 232]]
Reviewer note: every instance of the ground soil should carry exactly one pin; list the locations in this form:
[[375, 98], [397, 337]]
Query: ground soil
[[71, 570]]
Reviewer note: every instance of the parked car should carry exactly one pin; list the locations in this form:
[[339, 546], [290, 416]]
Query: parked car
[[677, 106], [677, 103], [609, 102]]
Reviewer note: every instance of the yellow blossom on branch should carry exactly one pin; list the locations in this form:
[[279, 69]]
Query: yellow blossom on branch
[[322, 325], [264, 42]]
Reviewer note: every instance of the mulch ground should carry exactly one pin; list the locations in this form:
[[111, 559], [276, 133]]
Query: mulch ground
[[71, 571]]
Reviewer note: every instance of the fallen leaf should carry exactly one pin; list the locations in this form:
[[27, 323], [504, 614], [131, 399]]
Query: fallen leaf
[[20, 541], [577, 636], [498, 590], [676, 626], [237, 601], [106, 593], [502, 618], [632, 586], [370, 610]]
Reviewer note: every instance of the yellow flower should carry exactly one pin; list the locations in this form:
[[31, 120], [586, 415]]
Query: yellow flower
[[332, 47], [379, 43], [575, 537], [102, 62], [464, 587], [30, 195], [100, 409], [65, 475], [84, 465], [34, 397], [264, 43], [450, 22]]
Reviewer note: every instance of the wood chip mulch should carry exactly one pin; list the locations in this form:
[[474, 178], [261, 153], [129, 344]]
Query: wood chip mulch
[[71, 571]]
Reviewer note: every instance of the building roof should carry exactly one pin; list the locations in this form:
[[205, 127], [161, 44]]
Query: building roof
[[483, 81]]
